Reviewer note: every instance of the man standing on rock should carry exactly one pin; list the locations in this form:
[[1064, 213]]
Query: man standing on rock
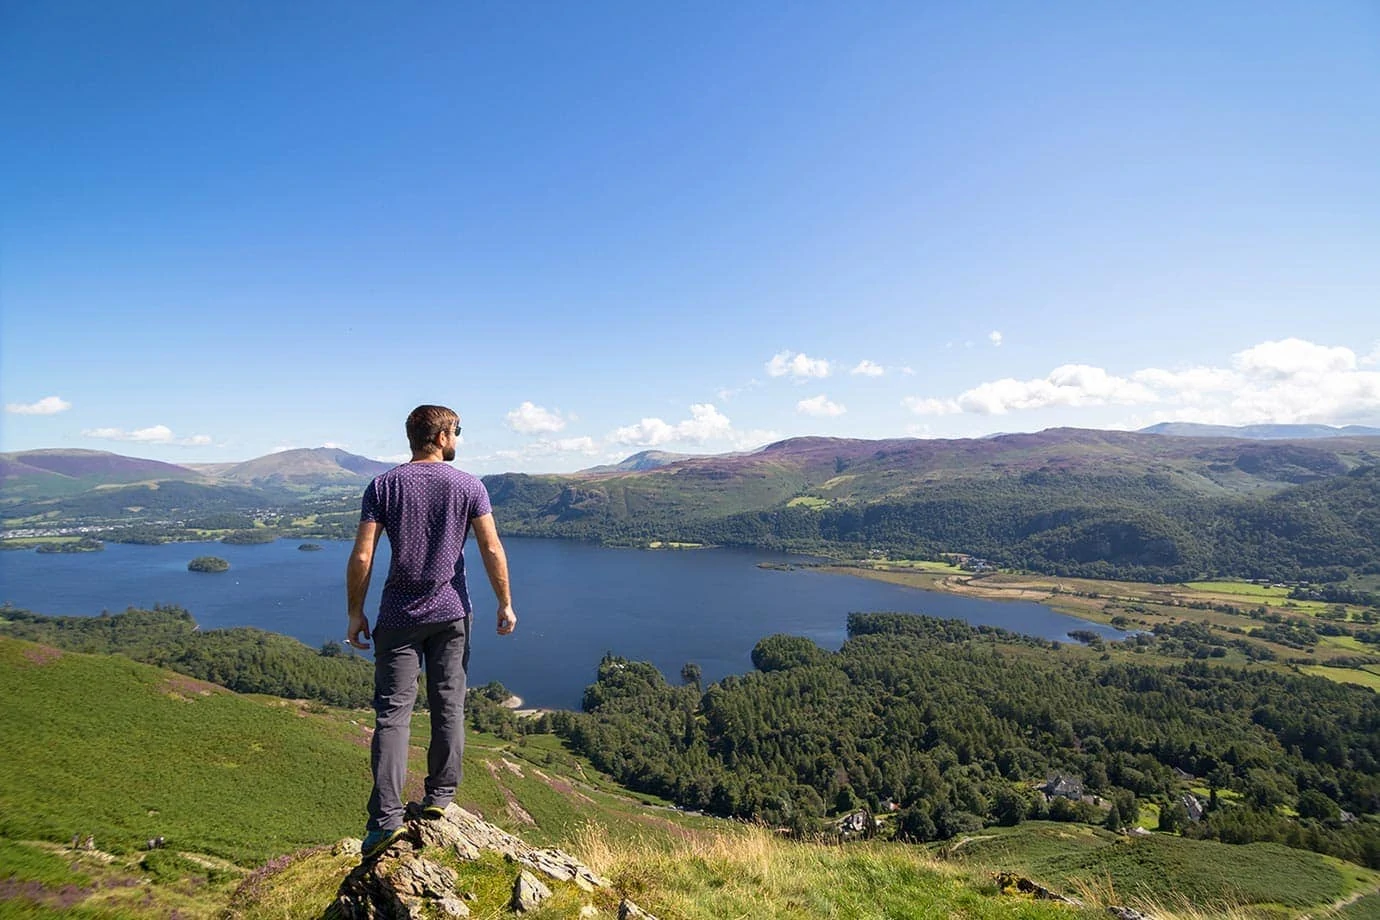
[[427, 508]]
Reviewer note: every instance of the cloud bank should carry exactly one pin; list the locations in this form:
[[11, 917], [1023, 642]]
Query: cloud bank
[[1289, 381]]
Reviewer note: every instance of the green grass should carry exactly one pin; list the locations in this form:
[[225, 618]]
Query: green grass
[[808, 501], [733, 872], [1349, 643], [123, 751], [1358, 676], [26, 542], [1243, 588], [1366, 908], [28, 863], [923, 565], [1163, 869]]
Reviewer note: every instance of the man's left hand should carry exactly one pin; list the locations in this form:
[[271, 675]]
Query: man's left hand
[[507, 620]]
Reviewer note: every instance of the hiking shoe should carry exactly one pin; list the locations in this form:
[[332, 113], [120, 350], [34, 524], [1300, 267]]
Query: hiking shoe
[[375, 842], [425, 812]]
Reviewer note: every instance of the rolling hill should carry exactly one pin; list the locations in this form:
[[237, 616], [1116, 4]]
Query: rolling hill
[[44, 473], [1069, 501], [307, 466], [99, 483]]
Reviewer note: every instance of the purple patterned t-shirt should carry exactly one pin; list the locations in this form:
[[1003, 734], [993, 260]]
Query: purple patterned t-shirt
[[426, 509]]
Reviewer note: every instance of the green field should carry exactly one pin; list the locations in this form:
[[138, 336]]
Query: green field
[[1243, 588], [808, 501], [1164, 869], [1364, 677], [922, 565]]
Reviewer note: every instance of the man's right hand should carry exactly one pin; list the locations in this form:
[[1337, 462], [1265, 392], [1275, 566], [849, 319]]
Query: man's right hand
[[507, 620], [359, 626]]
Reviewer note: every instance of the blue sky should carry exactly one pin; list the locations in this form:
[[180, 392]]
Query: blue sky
[[595, 228]]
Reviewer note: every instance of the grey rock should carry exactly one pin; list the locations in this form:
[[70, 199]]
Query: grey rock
[[627, 910], [452, 907], [423, 878], [528, 892], [403, 882], [1127, 913], [347, 846]]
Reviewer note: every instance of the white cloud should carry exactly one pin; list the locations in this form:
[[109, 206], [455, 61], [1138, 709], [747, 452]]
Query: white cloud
[[1190, 381], [910, 371], [530, 418], [544, 447], [995, 338], [1373, 358], [1069, 385], [868, 369], [800, 366], [706, 423], [923, 406], [155, 434], [819, 406], [1291, 381], [48, 405], [756, 437], [1293, 358], [583, 445], [336, 445]]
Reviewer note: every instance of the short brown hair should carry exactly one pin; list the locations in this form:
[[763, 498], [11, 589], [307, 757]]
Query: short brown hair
[[426, 422]]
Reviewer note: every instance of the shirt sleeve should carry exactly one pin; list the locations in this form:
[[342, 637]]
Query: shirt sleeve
[[369, 508], [480, 505]]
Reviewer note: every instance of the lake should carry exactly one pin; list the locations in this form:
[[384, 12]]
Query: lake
[[575, 601]]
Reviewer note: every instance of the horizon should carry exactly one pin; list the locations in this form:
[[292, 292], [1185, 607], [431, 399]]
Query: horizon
[[597, 231], [458, 461]]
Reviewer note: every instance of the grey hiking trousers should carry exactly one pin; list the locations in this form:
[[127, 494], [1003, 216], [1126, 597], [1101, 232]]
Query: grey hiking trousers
[[399, 654]]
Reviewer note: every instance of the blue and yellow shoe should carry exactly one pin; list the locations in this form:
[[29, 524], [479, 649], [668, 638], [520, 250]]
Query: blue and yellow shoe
[[375, 842], [425, 812]]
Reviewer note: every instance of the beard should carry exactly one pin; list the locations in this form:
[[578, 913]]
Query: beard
[[448, 454]]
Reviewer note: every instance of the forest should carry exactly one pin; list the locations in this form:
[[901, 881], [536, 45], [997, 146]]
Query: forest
[[950, 727], [959, 727]]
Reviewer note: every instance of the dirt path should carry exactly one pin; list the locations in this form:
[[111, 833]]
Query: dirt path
[[1339, 905]]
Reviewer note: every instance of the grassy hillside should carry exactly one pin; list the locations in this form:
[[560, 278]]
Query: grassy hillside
[[251, 792]]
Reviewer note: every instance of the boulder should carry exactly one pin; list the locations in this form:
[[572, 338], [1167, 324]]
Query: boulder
[[403, 882], [528, 892], [627, 910]]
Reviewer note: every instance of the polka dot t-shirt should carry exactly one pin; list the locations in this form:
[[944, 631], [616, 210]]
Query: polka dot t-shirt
[[426, 510]]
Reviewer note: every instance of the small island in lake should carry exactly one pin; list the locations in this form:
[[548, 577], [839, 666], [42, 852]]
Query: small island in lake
[[310, 547], [208, 564]]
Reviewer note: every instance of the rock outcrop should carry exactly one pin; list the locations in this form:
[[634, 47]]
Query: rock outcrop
[[405, 881]]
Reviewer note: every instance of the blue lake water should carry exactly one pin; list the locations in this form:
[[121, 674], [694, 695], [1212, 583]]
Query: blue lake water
[[575, 601]]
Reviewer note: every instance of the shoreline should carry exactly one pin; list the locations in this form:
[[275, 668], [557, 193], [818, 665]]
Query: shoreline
[[514, 703]]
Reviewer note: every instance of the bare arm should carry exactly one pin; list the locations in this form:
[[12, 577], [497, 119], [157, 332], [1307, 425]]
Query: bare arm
[[357, 572], [496, 566]]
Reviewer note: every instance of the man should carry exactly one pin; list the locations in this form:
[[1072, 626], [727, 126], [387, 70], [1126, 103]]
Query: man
[[427, 508]]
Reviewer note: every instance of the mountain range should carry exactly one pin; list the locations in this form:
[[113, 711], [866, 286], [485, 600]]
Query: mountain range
[[1138, 505], [54, 473]]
